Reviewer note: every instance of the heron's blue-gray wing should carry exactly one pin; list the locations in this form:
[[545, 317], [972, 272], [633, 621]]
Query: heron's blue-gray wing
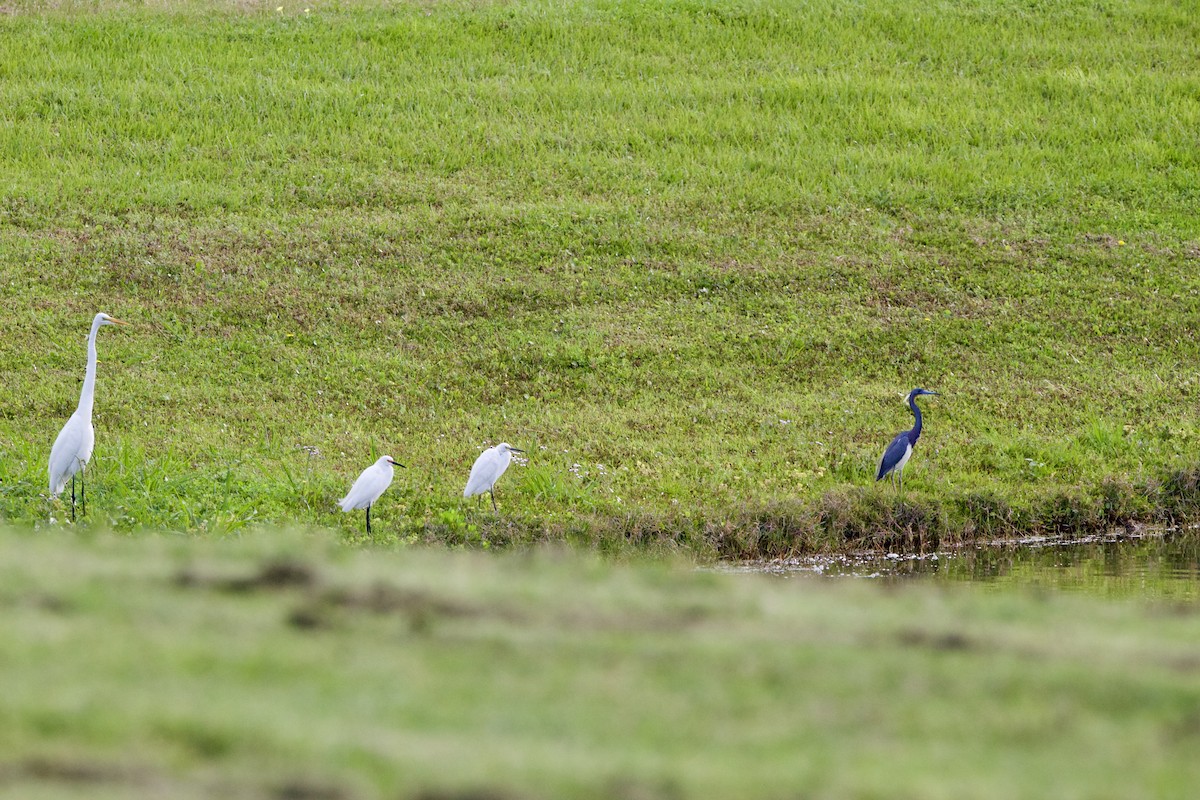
[[893, 455]]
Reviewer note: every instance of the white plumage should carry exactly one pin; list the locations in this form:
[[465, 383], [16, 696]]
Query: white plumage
[[372, 483], [488, 468], [73, 447]]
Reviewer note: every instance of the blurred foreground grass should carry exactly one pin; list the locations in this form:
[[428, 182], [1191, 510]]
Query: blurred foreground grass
[[281, 666]]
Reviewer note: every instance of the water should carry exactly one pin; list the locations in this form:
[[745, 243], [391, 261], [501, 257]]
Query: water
[[1152, 563]]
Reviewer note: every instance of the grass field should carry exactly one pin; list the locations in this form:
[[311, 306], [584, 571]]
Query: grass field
[[690, 255], [284, 666]]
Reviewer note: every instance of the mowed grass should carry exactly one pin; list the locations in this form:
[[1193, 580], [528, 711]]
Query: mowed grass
[[690, 255], [288, 666]]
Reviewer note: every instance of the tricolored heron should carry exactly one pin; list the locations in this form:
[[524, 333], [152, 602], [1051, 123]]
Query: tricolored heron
[[901, 448]]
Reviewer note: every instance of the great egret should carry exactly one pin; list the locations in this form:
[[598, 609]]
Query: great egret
[[488, 468], [900, 450], [369, 486], [73, 447]]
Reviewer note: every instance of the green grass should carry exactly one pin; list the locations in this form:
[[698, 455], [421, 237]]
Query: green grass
[[699, 250], [289, 666]]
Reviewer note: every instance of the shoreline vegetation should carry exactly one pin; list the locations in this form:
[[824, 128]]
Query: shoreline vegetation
[[688, 255]]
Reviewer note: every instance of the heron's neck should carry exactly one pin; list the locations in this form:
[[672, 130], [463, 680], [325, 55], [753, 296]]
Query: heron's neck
[[88, 393], [915, 433]]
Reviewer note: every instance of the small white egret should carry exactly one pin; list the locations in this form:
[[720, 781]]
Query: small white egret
[[369, 486], [73, 447], [488, 468]]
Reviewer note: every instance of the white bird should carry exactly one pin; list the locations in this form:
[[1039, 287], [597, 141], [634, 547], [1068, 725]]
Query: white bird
[[369, 486], [488, 468], [73, 447]]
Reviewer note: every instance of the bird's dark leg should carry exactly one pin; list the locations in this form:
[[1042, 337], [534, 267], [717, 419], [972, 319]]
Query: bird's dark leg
[[72, 498], [82, 491], [493, 496], [368, 520]]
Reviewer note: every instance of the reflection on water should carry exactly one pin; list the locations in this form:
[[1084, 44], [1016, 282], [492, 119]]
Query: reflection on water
[[1154, 564]]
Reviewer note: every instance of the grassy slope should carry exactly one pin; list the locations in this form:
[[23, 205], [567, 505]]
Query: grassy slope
[[689, 254], [161, 666]]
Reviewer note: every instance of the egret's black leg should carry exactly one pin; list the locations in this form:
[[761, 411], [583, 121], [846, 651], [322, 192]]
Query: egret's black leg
[[72, 498], [493, 496], [82, 491], [368, 520]]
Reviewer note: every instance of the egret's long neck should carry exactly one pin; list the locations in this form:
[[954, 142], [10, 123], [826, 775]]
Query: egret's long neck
[[915, 433], [88, 394]]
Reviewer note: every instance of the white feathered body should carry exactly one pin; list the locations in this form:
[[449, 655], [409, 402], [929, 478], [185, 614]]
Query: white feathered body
[[373, 481], [487, 469], [72, 450], [75, 441]]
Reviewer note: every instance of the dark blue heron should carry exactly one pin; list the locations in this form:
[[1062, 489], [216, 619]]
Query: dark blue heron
[[900, 450]]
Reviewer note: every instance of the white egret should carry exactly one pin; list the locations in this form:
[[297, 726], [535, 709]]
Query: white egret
[[488, 468], [73, 447], [369, 486]]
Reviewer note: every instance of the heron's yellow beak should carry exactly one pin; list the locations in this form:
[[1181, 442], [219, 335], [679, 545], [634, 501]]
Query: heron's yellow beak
[[116, 321]]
